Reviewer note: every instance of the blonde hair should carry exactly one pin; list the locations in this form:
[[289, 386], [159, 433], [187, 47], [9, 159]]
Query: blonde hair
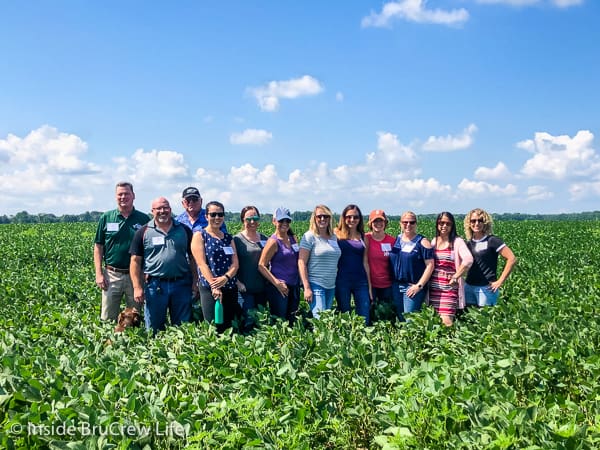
[[488, 222], [313, 220]]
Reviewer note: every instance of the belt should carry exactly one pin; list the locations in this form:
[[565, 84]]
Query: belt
[[116, 269], [150, 278]]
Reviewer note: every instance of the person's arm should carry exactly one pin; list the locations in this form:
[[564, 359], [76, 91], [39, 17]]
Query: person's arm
[[192, 263], [263, 267], [199, 255], [429, 265], [510, 258], [303, 257], [137, 277], [466, 260], [367, 269], [101, 282]]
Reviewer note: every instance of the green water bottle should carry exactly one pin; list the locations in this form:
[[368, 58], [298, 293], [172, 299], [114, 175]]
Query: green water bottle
[[218, 312]]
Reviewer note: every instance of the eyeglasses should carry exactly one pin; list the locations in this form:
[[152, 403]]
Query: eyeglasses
[[192, 199], [252, 219], [162, 208], [477, 221], [350, 216], [408, 222], [322, 216], [442, 223], [285, 221], [216, 214]]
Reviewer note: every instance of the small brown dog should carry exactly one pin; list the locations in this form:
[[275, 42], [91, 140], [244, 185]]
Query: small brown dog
[[129, 317]]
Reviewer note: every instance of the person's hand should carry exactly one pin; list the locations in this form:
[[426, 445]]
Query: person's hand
[[102, 282], [412, 290], [241, 286], [282, 288], [217, 294], [138, 295], [495, 285], [308, 295]]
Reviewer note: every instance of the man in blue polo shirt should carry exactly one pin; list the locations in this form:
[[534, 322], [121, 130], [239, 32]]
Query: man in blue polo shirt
[[162, 268], [111, 246], [194, 216]]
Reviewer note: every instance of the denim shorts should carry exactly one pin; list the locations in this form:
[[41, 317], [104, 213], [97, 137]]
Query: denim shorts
[[480, 295]]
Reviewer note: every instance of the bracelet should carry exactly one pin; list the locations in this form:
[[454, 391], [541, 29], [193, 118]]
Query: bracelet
[[228, 277]]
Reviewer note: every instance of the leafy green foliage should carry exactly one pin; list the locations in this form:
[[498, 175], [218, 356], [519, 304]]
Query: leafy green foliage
[[522, 375]]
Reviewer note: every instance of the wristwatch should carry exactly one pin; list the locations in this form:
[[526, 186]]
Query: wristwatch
[[420, 286]]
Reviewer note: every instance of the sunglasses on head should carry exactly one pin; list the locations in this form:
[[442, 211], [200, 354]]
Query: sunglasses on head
[[477, 221], [322, 216], [216, 214], [252, 219]]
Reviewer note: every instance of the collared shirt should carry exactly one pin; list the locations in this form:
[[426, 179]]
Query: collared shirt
[[200, 223], [165, 255], [115, 232]]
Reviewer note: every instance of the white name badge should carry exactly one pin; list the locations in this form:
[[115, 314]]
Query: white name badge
[[386, 247], [481, 246], [407, 248], [112, 226], [158, 240], [296, 247], [228, 250]]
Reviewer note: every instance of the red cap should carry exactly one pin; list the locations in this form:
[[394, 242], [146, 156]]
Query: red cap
[[377, 214]]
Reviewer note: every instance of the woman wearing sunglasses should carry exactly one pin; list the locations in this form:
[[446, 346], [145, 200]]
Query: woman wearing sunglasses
[[411, 259], [318, 260], [353, 276], [249, 244], [452, 259], [279, 265], [482, 287], [216, 257]]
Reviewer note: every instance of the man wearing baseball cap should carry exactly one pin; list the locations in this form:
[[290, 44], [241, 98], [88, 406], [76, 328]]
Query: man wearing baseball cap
[[194, 216]]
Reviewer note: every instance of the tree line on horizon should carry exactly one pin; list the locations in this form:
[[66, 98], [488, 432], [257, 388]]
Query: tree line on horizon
[[300, 216]]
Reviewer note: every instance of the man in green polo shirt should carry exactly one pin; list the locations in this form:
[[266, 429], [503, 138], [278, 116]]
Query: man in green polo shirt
[[111, 247]]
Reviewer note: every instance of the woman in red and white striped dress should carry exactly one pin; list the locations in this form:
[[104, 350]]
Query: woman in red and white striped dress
[[452, 259]]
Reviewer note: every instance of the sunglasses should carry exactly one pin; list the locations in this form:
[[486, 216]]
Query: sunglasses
[[477, 221], [216, 214], [252, 219], [350, 216], [322, 216], [409, 222], [441, 223], [192, 199], [284, 221]]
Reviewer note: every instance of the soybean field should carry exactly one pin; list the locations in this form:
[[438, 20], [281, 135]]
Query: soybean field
[[522, 375]]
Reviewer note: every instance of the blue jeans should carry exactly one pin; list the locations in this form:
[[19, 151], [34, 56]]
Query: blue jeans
[[359, 288], [284, 307], [176, 296], [322, 299], [480, 295], [403, 303]]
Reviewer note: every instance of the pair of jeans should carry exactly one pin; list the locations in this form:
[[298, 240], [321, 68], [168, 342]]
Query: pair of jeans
[[284, 307], [162, 295], [322, 299], [359, 288], [403, 303], [231, 307], [480, 295]]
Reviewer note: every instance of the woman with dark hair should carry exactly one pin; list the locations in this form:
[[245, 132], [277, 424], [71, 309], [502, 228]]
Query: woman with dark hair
[[451, 259], [353, 277], [249, 244], [216, 257], [482, 287]]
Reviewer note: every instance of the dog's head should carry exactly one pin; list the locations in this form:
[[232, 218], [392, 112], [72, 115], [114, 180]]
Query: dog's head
[[129, 317]]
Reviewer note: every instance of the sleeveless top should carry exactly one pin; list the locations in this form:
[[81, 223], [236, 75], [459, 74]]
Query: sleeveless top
[[284, 263], [218, 261]]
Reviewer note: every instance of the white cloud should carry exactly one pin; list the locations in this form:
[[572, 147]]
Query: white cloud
[[538, 192], [339, 97], [451, 143], [414, 11], [584, 190], [268, 96], [559, 157], [251, 136], [567, 3], [500, 171], [483, 188], [153, 167], [557, 3]]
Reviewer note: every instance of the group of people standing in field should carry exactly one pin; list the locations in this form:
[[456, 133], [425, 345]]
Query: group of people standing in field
[[166, 263]]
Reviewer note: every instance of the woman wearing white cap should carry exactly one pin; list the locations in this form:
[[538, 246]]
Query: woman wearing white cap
[[279, 265]]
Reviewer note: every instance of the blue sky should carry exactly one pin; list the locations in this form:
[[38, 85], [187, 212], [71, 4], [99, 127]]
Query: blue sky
[[414, 104]]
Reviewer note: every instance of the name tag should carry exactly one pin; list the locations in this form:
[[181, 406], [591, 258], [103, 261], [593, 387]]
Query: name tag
[[481, 246], [228, 250], [296, 247], [386, 247], [158, 240], [112, 226], [407, 248]]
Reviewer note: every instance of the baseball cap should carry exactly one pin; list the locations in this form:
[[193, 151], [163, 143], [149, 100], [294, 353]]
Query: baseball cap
[[377, 214], [190, 192], [282, 213]]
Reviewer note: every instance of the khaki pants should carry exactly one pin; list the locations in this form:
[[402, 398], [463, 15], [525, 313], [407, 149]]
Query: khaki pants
[[119, 284]]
